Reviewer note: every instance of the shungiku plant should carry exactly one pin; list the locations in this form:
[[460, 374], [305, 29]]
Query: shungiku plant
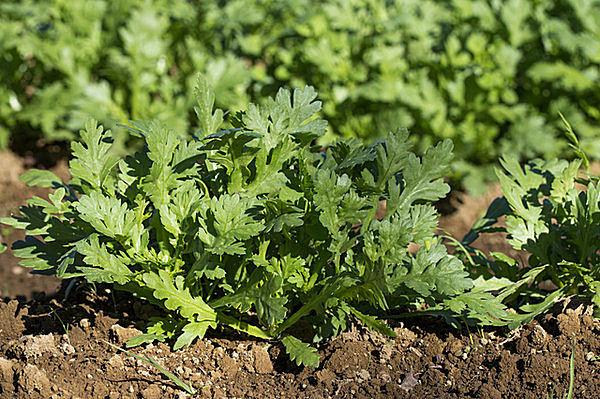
[[552, 212], [252, 228]]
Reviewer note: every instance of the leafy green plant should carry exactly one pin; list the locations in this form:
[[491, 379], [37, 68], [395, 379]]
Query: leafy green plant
[[253, 228], [489, 75], [553, 214], [64, 61]]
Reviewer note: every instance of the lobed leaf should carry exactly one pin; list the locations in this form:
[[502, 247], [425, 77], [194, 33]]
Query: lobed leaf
[[301, 352], [177, 296]]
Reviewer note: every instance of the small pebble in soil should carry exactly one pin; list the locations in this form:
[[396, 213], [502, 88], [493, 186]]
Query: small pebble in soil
[[67, 348], [409, 381], [363, 375]]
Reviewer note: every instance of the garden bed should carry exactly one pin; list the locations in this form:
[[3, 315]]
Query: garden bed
[[52, 347], [38, 359]]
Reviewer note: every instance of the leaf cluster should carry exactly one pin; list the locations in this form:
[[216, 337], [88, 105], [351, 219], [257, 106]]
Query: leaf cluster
[[552, 212], [252, 227]]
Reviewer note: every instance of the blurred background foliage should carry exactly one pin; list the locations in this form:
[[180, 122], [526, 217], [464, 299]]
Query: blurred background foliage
[[491, 75]]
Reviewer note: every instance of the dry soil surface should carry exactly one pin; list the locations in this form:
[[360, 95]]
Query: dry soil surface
[[56, 349]]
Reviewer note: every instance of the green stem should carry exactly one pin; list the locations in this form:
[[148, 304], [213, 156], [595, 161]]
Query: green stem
[[242, 326]]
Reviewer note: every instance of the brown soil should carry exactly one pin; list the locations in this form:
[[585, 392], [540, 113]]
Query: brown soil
[[16, 280], [38, 359], [52, 347]]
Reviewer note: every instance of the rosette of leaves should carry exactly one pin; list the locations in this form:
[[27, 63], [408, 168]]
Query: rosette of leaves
[[251, 227], [553, 213]]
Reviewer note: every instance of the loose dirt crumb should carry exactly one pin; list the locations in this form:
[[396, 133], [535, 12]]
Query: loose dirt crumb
[[152, 392], [385, 353], [33, 382], [348, 359], [122, 334], [116, 361], [6, 376], [11, 324], [262, 361], [35, 346]]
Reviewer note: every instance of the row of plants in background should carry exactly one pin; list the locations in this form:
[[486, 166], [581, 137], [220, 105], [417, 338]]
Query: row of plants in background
[[249, 226], [490, 75]]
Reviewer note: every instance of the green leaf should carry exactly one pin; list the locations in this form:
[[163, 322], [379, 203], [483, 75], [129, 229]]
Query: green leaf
[[141, 339], [232, 225], [534, 310], [271, 309], [350, 153], [423, 178], [108, 267], [392, 156], [162, 144], [177, 297], [286, 115], [108, 215], [169, 220], [92, 160], [481, 307], [434, 272], [481, 284], [205, 100], [373, 323], [41, 178], [242, 326], [191, 331], [329, 191], [301, 352]]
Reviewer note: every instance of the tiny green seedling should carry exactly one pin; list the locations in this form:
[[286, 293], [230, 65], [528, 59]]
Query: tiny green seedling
[[569, 393], [64, 326], [187, 388]]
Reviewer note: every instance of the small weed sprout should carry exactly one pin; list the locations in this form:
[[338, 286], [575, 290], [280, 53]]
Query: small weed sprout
[[569, 393], [64, 326], [187, 388]]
